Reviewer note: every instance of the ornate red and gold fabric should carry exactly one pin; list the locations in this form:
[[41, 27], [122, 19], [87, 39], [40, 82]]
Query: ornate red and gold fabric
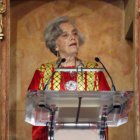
[[87, 81]]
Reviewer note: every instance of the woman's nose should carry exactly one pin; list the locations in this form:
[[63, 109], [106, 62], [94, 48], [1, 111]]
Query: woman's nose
[[72, 37]]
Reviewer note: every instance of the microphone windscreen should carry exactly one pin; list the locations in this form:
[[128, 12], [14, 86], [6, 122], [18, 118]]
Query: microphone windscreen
[[63, 60], [97, 59]]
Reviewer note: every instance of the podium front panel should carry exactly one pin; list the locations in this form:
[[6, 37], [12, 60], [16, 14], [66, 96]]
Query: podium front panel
[[67, 103]]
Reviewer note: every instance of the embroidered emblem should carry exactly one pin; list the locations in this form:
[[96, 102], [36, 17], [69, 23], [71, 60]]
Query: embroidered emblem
[[71, 85]]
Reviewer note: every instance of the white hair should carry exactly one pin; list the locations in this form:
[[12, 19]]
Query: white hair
[[53, 31]]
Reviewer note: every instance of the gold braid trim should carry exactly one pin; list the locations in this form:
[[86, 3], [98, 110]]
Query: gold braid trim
[[56, 80], [46, 70], [92, 77]]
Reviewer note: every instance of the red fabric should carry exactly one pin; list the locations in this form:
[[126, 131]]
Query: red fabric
[[103, 85], [106, 133], [86, 81], [66, 76], [34, 85], [52, 79], [39, 132]]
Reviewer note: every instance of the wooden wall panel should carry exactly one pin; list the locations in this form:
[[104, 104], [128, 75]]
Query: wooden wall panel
[[129, 15], [4, 84]]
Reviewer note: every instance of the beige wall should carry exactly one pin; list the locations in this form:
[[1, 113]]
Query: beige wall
[[101, 22]]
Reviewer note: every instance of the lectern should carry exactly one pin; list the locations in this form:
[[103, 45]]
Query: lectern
[[78, 109]]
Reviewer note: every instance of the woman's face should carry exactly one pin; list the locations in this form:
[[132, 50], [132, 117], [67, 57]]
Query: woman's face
[[67, 44]]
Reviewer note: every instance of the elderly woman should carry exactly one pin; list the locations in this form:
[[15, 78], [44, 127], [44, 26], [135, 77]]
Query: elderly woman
[[63, 40]]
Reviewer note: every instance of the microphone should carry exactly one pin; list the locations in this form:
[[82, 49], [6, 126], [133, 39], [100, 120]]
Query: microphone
[[98, 60], [62, 61]]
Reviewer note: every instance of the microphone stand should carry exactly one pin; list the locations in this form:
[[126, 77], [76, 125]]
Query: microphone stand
[[78, 110], [113, 86], [104, 126], [52, 117]]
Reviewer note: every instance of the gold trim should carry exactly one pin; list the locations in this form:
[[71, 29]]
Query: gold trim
[[2, 11]]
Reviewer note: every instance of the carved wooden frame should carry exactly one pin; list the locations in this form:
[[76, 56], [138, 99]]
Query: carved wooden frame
[[5, 71]]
